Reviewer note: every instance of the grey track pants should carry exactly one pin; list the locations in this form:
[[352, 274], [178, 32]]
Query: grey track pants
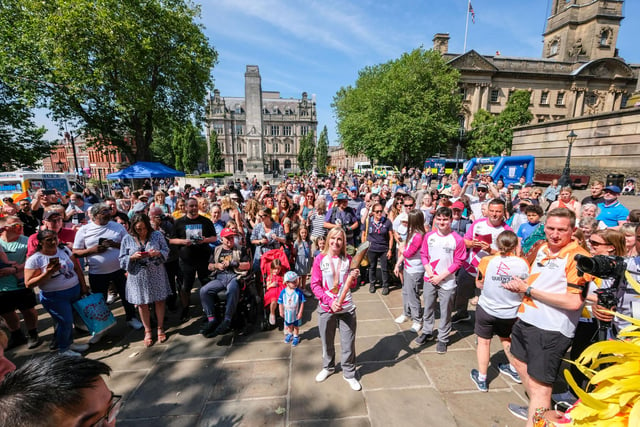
[[346, 322]]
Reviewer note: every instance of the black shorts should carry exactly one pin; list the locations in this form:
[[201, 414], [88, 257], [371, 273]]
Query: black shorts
[[541, 350], [22, 299], [487, 325]]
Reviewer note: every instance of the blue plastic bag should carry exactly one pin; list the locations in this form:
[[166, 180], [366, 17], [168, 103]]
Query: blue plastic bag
[[95, 313]]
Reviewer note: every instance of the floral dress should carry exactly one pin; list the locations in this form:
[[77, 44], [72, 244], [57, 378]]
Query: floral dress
[[147, 279]]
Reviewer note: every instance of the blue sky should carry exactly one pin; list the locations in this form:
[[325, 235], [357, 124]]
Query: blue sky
[[319, 46]]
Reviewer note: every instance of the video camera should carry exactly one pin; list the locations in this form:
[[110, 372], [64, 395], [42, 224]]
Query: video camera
[[604, 267]]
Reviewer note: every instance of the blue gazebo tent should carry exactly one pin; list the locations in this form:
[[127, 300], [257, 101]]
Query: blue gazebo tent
[[143, 170]]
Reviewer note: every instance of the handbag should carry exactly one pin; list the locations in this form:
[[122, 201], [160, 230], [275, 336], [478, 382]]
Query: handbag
[[94, 313]]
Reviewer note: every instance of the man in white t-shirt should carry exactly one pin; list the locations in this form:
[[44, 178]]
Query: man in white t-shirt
[[442, 254], [99, 241], [480, 239]]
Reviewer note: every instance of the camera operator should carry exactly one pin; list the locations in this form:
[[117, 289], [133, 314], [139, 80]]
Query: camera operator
[[607, 243], [343, 216], [628, 302]]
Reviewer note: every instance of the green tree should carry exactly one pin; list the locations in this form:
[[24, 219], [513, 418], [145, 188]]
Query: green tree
[[191, 148], [21, 141], [216, 161], [401, 111], [117, 69], [493, 135], [176, 149], [307, 152], [322, 151]]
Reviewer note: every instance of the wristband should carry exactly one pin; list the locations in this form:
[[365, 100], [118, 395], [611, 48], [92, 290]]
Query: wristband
[[527, 293]]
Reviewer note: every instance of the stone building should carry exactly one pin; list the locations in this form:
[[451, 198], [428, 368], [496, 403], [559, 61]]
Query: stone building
[[579, 73], [260, 133]]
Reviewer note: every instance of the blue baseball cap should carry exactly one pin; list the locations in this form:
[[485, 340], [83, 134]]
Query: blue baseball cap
[[290, 276], [613, 189]]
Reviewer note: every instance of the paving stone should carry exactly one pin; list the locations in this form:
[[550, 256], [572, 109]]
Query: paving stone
[[169, 421], [196, 347], [251, 379], [174, 388], [371, 310], [344, 422], [130, 358], [376, 349], [450, 371], [125, 383], [250, 413], [382, 375], [368, 328], [424, 407], [483, 409], [259, 351]]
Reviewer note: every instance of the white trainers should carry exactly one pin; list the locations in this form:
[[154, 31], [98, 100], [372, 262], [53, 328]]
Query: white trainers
[[79, 347], [111, 298], [401, 319], [135, 324], [272, 319], [71, 353], [416, 327], [323, 375], [96, 338], [353, 383]]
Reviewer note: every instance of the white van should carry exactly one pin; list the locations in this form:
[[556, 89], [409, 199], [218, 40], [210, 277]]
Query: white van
[[362, 168]]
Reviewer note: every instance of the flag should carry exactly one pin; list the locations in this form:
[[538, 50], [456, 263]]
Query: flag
[[473, 14]]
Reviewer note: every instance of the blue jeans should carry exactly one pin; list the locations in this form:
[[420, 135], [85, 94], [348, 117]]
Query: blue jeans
[[209, 292], [58, 304]]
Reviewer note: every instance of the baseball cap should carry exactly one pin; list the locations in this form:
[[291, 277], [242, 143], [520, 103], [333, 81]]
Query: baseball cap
[[484, 186], [290, 276], [48, 215], [613, 189], [139, 207], [228, 232], [342, 196], [457, 205], [353, 188], [210, 188]]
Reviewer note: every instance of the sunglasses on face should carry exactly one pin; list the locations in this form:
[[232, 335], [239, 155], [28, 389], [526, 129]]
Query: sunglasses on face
[[378, 211], [409, 206], [596, 244]]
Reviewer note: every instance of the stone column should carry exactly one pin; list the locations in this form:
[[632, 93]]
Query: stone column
[[253, 114]]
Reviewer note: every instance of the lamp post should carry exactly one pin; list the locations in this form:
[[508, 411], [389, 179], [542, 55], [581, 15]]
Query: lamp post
[[60, 165], [565, 179], [69, 135]]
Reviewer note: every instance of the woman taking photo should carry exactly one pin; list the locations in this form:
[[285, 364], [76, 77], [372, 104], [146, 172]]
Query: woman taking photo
[[331, 281], [266, 235], [142, 254], [61, 282]]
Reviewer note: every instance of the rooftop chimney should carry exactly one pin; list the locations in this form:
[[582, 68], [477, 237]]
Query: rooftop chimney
[[441, 43]]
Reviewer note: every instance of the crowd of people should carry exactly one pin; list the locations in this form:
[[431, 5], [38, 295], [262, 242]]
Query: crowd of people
[[505, 252]]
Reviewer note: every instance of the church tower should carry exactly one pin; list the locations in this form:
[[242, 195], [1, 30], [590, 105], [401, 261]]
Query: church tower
[[582, 30]]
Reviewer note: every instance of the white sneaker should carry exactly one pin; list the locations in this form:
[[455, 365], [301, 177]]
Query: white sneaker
[[272, 319], [416, 327], [70, 353], [79, 347], [401, 319], [111, 298], [96, 338], [354, 383], [135, 324], [323, 375]]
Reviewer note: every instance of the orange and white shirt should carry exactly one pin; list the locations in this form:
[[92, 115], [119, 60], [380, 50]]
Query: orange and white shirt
[[556, 274]]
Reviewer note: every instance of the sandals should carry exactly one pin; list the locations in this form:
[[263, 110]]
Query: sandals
[[162, 337], [148, 339]]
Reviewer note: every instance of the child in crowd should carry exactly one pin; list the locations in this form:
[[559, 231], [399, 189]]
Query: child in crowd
[[303, 259], [274, 285], [534, 214], [291, 303], [411, 262], [320, 242], [497, 307]]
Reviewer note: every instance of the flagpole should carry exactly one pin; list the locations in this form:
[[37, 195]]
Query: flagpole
[[466, 28]]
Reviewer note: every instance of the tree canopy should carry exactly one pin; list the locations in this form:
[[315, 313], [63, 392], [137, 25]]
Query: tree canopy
[[493, 135], [401, 111], [117, 69]]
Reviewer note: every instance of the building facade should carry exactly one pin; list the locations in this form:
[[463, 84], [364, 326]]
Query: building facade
[[579, 73], [260, 133]]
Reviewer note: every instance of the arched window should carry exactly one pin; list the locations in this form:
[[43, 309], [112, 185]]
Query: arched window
[[604, 38], [240, 165]]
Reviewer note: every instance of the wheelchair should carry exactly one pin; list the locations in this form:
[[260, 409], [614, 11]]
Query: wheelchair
[[246, 316]]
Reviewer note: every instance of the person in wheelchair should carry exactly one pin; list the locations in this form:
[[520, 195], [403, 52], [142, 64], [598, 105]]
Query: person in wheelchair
[[227, 264]]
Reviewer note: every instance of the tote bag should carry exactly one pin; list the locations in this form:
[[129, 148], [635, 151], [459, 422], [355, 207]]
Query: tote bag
[[95, 313]]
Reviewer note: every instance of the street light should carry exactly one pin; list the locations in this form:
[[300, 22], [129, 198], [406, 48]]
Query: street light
[[565, 179], [60, 165]]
